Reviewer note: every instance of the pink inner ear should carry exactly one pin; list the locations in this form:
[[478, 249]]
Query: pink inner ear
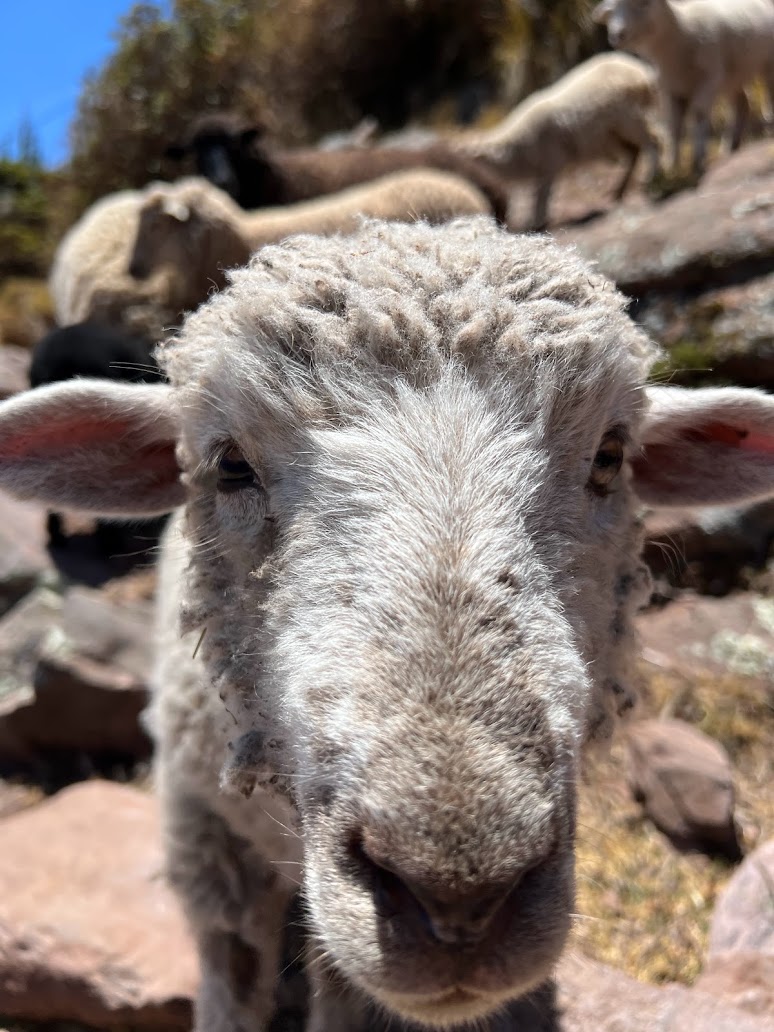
[[732, 437], [62, 434]]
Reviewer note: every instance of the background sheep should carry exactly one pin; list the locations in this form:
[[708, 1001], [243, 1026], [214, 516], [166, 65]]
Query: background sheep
[[598, 110], [237, 159], [89, 280], [197, 230], [90, 350], [703, 49], [410, 558]]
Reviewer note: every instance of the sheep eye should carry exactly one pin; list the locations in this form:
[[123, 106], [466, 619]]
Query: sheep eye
[[607, 463], [234, 472]]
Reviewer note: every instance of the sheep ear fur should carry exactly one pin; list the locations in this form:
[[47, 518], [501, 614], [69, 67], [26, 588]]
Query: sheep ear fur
[[176, 209], [706, 447], [92, 445]]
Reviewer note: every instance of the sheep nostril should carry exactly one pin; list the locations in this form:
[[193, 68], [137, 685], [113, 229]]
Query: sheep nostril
[[452, 918], [391, 894]]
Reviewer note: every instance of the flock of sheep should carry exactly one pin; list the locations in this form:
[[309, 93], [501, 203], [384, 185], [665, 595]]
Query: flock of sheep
[[398, 596]]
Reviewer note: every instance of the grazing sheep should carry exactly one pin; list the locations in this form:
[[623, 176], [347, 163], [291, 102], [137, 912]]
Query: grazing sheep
[[256, 174], [197, 230], [89, 279], [408, 566], [601, 108], [91, 350], [703, 49]]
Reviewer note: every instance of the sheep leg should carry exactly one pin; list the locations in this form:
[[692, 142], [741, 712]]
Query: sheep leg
[[702, 112], [236, 907], [542, 197], [676, 118], [632, 154], [741, 118]]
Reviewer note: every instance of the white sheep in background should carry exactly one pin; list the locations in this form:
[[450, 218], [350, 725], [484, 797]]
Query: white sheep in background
[[198, 231], [407, 569], [89, 279], [703, 50], [601, 109]]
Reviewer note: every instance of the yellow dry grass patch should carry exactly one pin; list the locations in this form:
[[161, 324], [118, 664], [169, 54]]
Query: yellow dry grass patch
[[26, 311], [642, 906]]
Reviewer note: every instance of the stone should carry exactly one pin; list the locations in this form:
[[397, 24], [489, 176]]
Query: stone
[[23, 557], [596, 998], [697, 239], [75, 671], [693, 635], [742, 978], [14, 370], [743, 919], [89, 931], [683, 780]]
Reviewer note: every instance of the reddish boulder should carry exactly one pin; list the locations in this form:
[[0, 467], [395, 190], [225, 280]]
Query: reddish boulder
[[742, 978], [89, 932], [684, 782], [23, 556], [596, 998], [744, 914], [76, 675]]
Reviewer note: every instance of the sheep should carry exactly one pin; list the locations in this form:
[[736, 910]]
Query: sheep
[[406, 569], [103, 352], [196, 229], [93, 350], [703, 49], [89, 279], [233, 156], [599, 109]]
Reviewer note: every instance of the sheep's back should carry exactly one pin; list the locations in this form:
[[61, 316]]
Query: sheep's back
[[405, 196]]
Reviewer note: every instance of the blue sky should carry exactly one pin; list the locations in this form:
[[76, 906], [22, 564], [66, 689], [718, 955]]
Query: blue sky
[[46, 48]]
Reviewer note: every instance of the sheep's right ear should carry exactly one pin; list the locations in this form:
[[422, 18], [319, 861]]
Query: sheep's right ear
[[248, 136], [92, 445]]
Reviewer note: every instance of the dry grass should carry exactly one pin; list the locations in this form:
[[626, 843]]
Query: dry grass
[[643, 906], [26, 311]]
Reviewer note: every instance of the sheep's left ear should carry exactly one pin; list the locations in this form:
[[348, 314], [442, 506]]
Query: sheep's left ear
[[705, 447], [176, 209], [93, 445]]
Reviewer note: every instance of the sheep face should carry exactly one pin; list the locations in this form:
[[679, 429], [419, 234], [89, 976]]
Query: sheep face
[[164, 224], [409, 459], [415, 572], [628, 21]]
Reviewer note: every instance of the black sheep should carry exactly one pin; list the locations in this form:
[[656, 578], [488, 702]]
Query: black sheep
[[235, 157], [92, 350]]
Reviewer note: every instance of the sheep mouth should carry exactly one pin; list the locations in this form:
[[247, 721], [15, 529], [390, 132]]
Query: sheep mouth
[[454, 1006]]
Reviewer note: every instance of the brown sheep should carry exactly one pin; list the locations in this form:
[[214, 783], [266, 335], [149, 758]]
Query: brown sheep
[[235, 157]]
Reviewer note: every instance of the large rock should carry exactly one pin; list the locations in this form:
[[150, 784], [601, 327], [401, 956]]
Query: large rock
[[89, 931], [712, 636], [683, 780], [75, 673], [699, 238], [744, 914], [23, 556], [743, 978], [14, 370], [596, 998]]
